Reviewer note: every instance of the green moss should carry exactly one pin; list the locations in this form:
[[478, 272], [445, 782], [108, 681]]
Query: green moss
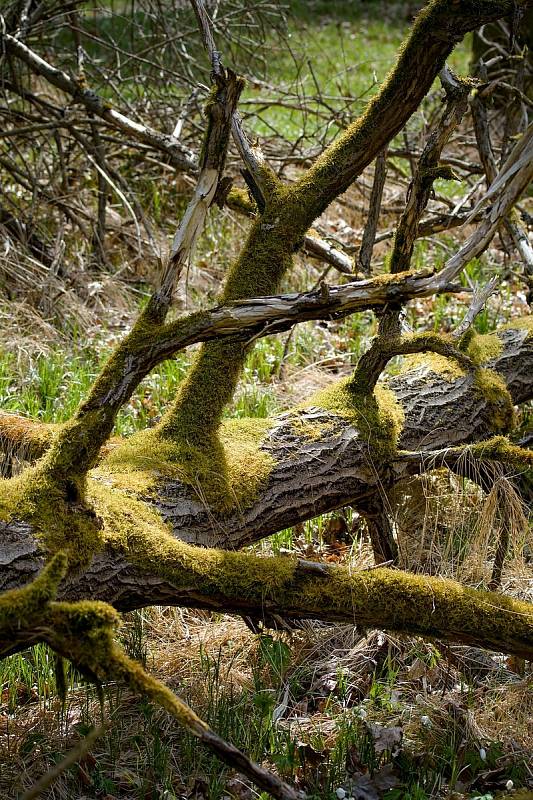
[[379, 416], [230, 573], [20, 607], [137, 529], [60, 524], [494, 391], [524, 323], [484, 347], [87, 617], [77, 445], [447, 368], [386, 346], [420, 604], [240, 199], [306, 428], [499, 448], [84, 632], [226, 475], [226, 471], [27, 439]]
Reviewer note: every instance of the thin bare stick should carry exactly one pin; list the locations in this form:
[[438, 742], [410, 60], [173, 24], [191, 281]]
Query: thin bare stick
[[204, 23], [73, 756], [369, 234], [510, 183], [320, 248], [488, 159]]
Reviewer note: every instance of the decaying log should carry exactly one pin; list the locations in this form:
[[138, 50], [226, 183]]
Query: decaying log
[[313, 476], [315, 472]]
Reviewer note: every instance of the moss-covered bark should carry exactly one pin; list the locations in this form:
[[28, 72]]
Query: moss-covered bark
[[244, 583], [291, 210], [265, 258]]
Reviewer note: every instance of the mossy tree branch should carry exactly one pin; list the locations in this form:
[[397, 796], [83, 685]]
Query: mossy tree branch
[[242, 583], [84, 632], [212, 380], [436, 31], [149, 344], [338, 450], [290, 211], [373, 362]]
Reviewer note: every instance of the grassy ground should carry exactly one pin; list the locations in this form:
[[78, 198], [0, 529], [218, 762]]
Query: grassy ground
[[326, 706]]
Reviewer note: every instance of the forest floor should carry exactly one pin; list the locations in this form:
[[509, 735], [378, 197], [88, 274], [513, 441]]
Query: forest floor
[[338, 711]]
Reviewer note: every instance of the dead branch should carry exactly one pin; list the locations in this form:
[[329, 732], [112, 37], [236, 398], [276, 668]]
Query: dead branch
[[369, 234], [179, 155]]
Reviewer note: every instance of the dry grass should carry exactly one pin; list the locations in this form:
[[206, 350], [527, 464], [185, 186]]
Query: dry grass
[[448, 525]]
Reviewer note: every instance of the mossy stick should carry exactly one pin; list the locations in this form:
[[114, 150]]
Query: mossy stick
[[84, 632]]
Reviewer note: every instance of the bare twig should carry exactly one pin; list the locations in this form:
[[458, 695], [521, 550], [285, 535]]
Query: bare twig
[[320, 248], [220, 110], [369, 234], [78, 752]]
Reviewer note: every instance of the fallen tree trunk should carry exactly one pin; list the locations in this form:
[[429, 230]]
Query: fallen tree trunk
[[321, 459], [321, 456], [317, 472], [235, 582]]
